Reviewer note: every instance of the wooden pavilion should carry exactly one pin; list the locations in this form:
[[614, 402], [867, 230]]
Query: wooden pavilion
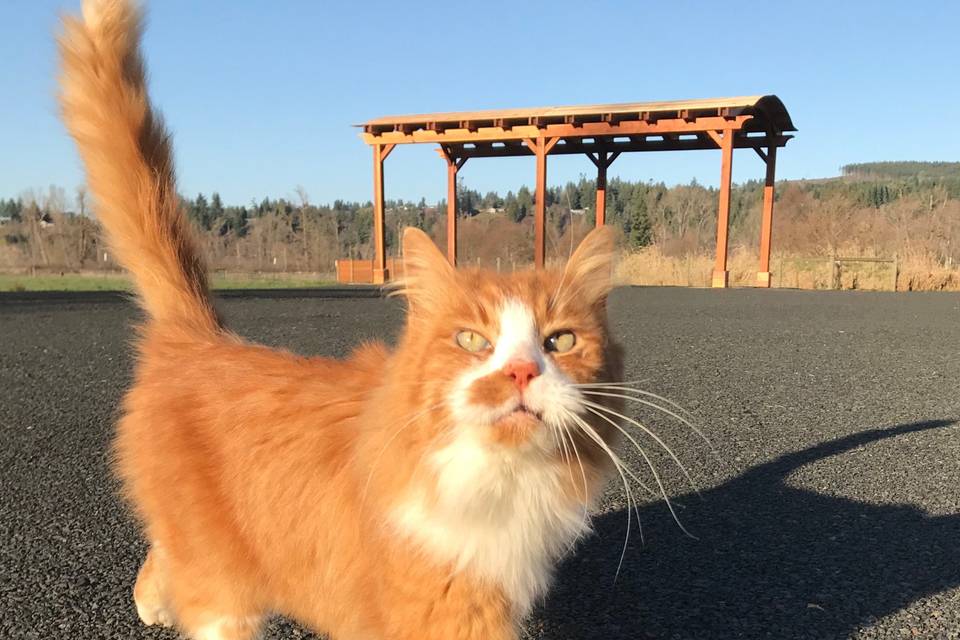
[[602, 133]]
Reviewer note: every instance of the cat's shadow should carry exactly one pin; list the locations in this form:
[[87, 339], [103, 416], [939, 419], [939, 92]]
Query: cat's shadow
[[772, 561]]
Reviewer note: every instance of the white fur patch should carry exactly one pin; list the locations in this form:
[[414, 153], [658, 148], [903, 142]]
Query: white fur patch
[[502, 515], [501, 511]]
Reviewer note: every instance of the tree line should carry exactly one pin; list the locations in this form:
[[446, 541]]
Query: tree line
[[884, 212]]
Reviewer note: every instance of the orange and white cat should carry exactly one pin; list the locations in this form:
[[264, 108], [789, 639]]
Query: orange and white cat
[[424, 492]]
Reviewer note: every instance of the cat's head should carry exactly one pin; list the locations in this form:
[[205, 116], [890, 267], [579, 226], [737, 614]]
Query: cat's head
[[501, 355], [484, 446]]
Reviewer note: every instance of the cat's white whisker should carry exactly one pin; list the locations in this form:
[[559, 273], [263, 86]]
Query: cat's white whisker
[[629, 386], [593, 435], [653, 470], [620, 468], [583, 474], [569, 463], [595, 406], [653, 405], [626, 383], [565, 452]]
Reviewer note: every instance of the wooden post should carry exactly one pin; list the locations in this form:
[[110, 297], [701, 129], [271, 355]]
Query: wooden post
[[380, 272], [540, 207], [540, 147], [603, 159], [453, 167], [720, 274], [601, 217], [766, 224], [452, 211]]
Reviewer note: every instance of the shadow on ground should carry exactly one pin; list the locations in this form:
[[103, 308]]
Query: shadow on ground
[[772, 561]]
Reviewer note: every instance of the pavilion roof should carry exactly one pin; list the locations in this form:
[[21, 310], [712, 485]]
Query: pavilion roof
[[767, 112]]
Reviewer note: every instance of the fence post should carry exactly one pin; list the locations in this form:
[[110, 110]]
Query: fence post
[[896, 270], [837, 274]]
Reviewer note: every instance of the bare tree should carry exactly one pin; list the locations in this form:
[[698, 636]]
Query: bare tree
[[304, 203], [82, 199]]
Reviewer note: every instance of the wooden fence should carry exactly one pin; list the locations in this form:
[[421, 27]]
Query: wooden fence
[[839, 262]]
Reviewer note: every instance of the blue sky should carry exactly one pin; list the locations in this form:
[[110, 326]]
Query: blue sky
[[260, 96]]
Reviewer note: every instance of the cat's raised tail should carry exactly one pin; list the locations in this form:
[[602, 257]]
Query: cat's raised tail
[[127, 154]]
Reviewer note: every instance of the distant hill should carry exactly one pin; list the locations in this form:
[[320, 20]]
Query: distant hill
[[906, 169]]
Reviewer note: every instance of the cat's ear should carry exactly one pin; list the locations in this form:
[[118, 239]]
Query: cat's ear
[[588, 275], [426, 275]]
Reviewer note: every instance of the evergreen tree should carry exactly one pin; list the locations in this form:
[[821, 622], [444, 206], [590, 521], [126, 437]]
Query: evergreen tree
[[216, 207], [640, 230], [524, 204], [588, 194], [12, 208], [200, 211]]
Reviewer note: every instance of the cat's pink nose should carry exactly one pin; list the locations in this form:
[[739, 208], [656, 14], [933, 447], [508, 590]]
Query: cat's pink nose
[[522, 372]]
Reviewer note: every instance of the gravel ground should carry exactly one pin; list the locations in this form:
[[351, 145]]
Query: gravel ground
[[828, 507]]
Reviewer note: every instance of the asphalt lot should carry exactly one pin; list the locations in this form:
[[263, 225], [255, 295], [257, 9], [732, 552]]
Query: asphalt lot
[[829, 509]]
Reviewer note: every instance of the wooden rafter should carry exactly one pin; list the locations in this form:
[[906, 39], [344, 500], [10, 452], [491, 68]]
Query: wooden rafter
[[502, 132]]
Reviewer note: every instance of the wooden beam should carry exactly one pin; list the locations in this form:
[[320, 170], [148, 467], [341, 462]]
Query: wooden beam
[[766, 221], [716, 136], [576, 147], [761, 153], [720, 274], [387, 148]]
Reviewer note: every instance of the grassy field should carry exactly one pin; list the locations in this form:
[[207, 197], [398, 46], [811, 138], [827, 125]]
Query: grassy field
[[120, 282], [650, 266]]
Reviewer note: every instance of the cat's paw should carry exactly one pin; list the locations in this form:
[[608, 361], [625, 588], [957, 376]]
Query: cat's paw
[[151, 615]]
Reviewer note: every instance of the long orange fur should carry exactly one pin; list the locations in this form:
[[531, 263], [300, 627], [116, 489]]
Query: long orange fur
[[263, 479]]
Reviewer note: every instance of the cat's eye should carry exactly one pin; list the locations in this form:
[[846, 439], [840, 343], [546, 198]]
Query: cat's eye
[[472, 341], [560, 342]]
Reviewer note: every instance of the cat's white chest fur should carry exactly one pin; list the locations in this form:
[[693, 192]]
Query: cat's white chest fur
[[500, 514]]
